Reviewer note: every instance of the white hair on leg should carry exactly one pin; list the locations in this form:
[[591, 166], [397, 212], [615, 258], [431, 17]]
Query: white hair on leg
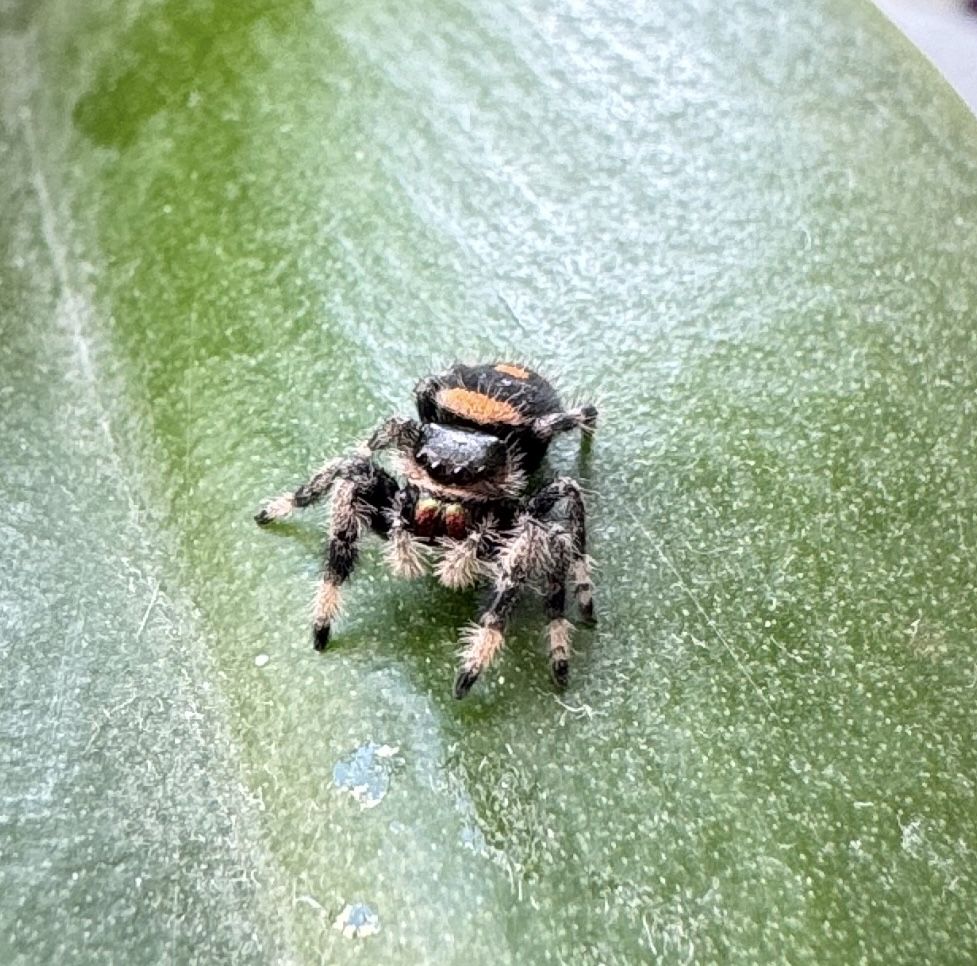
[[327, 603], [559, 631], [349, 513], [527, 553], [583, 587], [403, 554], [278, 508], [480, 646], [459, 565]]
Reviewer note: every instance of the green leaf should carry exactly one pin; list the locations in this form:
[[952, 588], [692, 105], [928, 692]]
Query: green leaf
[[233, 238]]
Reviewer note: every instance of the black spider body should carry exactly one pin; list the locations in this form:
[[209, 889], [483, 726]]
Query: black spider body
[[461, 500], [518, 396]]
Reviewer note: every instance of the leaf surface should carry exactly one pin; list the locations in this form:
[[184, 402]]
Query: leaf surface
[[235, 236]]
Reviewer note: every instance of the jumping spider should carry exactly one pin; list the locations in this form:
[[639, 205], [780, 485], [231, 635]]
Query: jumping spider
[[483, 430]]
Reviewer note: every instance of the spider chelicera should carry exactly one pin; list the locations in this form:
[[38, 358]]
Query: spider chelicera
[[465, 504]]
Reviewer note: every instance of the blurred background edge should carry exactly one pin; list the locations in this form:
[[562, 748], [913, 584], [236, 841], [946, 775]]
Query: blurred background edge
[[946, 32]]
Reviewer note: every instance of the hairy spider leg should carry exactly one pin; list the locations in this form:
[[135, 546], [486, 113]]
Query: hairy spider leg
[[558, 628], [393, 432], [543, 506], [526, 554], [562, 501], [425, 395], [363, 498], [464, 561], [403, 553], [305, 495], [581, 417]]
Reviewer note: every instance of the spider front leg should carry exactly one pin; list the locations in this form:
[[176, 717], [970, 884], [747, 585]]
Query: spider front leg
[[307, 494], [402, 552], [349, 516], [522, 557], [359, 501], [394, 432]]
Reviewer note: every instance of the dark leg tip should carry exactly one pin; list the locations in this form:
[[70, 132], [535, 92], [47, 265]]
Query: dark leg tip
[[560, 670], [464, 682], [587, 617], [320, 637], [262, 518], [589, 417]]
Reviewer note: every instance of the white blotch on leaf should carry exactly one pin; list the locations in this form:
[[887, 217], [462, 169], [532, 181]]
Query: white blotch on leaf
[[357, 921], [365, 773]]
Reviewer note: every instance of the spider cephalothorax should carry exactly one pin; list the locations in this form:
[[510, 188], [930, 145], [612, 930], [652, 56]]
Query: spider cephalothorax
[[465, 503]]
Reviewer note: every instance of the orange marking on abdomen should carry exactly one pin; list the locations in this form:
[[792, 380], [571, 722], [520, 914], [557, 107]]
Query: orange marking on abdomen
[[517, 372], [478, 407]]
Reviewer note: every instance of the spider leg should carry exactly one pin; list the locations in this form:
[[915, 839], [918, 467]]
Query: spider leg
[[306, 495], [524, 555], [580, 417], [361, 499], [464, 561], [559, 629], [425, 394], [545, 506], [396, 432], [402, 553], [393, 432]]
